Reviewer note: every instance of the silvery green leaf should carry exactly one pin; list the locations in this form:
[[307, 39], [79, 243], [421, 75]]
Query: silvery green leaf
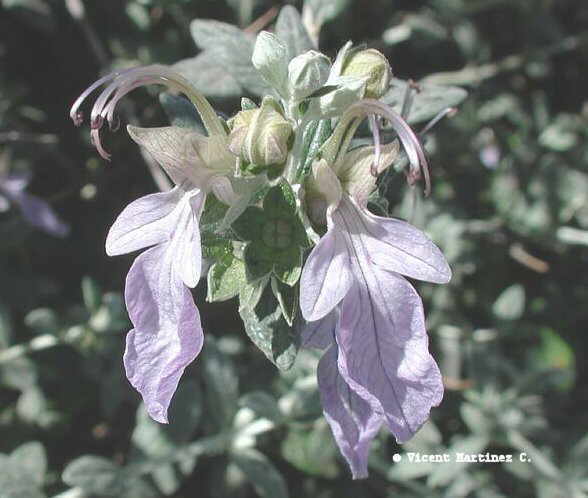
[[349, 90], [266, 327], [270, 58], [326, 10], [541, 461], [510, 305], [5, 328], [475, 419], [181, 112], [261, 473], [222, 384], [209, 75], [427, 103], [312, 450], [232, 48], [19, 374], [291, 30], [226, 278], [442, 475], [32, 459], [251, 294], [287, 297], [95, 475], [16, 482], [32, 405], [262, 404], [91, 293]]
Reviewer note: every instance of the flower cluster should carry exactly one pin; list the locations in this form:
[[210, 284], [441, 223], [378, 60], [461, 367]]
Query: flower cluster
[[273, 206]]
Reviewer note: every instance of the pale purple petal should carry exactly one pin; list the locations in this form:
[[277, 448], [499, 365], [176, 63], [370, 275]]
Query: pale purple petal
[[383, 344], [383, 351], [397, 246], [188, 252], [353, 421], [40, 214], [326, 276], [319, 334], [145, 222], [167, 334], [15, 183]]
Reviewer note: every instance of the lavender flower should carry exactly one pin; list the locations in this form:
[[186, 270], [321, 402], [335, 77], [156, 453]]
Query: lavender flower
[[167, 333], [35, 210], [370, 317]]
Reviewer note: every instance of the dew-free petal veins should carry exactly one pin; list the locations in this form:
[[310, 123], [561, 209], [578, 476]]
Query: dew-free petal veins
[[167, 334], [145, 222], [353, 421]]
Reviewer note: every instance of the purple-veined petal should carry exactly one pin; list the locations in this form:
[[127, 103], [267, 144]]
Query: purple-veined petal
[[145, 222], [319, 334], [353, 421], [383, 351], [167, 333], [397, 246], [326, 276], [383, 344], [40, 214]]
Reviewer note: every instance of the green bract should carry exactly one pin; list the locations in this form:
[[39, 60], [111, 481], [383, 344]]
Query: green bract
[[373, 66], [275, 236]]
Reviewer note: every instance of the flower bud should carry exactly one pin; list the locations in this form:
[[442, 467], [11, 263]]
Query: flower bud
[[307, 73], [370, 64], [261, 136]]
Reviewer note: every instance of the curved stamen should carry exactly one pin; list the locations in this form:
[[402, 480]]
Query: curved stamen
[[448, 111], [410, 141], [75, 114], [122, 82], [375, 126]]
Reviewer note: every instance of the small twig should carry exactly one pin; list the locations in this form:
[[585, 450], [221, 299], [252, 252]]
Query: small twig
[[519, 254], [262, 21]]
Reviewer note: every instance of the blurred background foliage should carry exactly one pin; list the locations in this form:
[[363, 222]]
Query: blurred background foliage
[[509, 208]]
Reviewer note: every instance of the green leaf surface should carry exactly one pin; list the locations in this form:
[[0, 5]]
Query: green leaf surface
[[287, 296], [262, 404], [427, 103], [312, 450], [261, 473], [269, 331], [510, 305], [291, 30], [32, 459], [225, 279], [208, 75]]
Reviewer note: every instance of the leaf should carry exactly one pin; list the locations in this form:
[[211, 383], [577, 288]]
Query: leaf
[[553, 353], [209, 76], [95, 475], [312, 451], [262, 404], [291, 30], [15, 481], [233, 49], [510, 305], [226, 278], [326, 10], [222, 384], [270, 58], [427, 103], [287, 297], [266, 327], [444, 474], [5, 328], [260, 472], [91, 293], [32, 459], [180, 111]]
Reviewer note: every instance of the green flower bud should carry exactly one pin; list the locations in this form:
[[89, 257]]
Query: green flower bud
[[370, 64], [261, 136], [307, 73]]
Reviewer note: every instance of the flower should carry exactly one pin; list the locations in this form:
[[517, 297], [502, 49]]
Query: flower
[[377, 368], [35, 210], [167, 333]]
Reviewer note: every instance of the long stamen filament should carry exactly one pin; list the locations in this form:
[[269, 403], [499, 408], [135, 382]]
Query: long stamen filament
[[123, 82]]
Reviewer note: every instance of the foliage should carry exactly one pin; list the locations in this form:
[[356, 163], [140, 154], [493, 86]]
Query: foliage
[[509, 208]]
